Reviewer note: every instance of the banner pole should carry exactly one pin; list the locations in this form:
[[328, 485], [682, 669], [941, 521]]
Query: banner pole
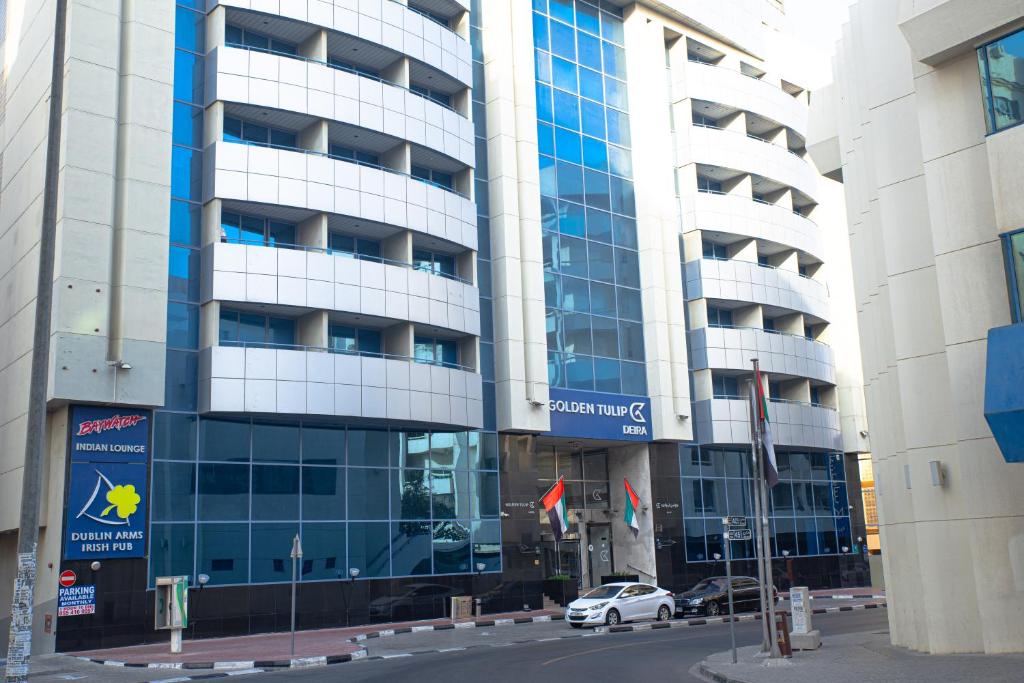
[[758, 547], [765, 540]]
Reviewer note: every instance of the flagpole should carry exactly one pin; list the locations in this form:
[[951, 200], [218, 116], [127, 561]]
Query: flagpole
[[758, 548], [765, 540]]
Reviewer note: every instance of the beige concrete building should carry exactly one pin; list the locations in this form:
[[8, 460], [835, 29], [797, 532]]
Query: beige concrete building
[[925, 144]]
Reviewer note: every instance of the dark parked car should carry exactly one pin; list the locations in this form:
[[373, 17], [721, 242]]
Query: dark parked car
[[710, 597]]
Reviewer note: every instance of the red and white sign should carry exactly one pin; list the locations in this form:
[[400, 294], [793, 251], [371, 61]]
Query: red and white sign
[[68, 578]]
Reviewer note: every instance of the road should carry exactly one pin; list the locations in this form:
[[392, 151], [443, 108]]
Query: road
[[656, 655]]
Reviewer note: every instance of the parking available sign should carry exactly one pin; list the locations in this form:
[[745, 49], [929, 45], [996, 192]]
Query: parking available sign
[[73, 601]]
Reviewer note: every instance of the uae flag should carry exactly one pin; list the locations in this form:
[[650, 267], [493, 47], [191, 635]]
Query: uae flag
[[771, 468], [632, 502], [554, 504]]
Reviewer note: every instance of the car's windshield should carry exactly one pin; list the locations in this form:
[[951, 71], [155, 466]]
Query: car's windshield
[[706, 584], [603, 592]]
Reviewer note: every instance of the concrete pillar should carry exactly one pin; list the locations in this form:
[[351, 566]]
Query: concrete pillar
[[315, 47], [398, 158], [398, 339], [740, 186], [398, 247], [313, 232], [702, 386], [635, 555], [748, 316], [465, 267], [215, 23], [311, 330], [460, 25], [213, 124], [785, 260], [397, 72], [791, 324], [693, 245], [314, 137], [469, 353], [743, 250], [209, 324], [698, 311], [211, 222]]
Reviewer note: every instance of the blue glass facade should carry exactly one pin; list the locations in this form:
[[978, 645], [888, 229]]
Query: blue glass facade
[[229, 495], [810, 512], [591, 267]]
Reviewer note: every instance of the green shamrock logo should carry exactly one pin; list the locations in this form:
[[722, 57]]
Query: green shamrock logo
[[124, 499]]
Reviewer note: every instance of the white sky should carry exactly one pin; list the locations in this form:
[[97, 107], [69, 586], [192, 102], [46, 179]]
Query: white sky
[[817, 24]]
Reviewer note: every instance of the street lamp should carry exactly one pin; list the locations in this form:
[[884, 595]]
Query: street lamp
[[202, 580], [353, 572]]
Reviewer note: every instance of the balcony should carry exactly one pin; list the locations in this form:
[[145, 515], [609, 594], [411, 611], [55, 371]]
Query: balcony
[[735, 149], [383, 22], [731, 348], [295, 84], [309, 180], [308, 381], [735, 89], [754, 283], [312, 278], [739, 215], [800, 425]]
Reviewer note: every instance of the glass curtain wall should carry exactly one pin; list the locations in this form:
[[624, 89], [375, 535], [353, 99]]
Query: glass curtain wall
[[591, 269], [810, 511], [229, 498]]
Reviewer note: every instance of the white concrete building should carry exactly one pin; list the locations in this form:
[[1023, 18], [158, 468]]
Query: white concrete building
[[920, 126], [380, 272]]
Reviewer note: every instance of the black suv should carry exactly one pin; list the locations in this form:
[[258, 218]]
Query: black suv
[[710, 597]]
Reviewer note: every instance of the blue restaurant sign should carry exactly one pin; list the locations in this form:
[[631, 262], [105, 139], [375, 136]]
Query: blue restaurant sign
[[108, 487], [593, 415]]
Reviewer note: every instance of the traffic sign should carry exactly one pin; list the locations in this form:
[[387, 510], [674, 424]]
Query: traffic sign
[[68, 578], [734, 520], [738, 535]]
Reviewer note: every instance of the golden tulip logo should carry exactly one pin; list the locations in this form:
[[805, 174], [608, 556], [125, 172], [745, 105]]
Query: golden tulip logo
[[124, 499]]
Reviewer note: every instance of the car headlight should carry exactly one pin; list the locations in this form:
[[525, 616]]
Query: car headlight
[[696, 601], [600, 605]]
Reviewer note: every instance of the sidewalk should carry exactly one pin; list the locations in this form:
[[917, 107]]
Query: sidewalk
[[862, 658], [324, 646]]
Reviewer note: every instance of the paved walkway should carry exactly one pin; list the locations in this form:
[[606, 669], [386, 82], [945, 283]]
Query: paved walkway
[[862, 658], [274, 649]]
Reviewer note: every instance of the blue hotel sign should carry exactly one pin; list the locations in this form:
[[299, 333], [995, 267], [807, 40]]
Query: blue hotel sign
[[593, 415], [108, 486]]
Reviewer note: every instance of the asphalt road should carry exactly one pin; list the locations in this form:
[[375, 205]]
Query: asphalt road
[[656, 655]]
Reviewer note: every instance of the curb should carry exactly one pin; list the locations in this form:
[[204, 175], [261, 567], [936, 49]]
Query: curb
[[237, 668], [707, 621], [487, 623], [712, 675]]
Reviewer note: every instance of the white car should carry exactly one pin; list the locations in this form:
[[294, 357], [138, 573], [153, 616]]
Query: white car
[[614, 603]]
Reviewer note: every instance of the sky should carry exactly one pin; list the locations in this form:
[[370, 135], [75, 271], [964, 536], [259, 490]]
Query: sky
[[818, 23]]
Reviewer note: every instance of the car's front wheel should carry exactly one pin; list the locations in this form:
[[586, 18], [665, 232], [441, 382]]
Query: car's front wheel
[[712, 609], [613, 618], [664, 613]]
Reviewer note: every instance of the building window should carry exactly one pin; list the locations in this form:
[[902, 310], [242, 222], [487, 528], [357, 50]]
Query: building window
[[809, 511], [241, 229], [236, 36], [342, 152], [251, 329], [237, 130], [768, 325], [713, 250], [436, 95], [1013, 246], [816, 396], [354, 340], [1002, 82], [725, 387], [355, 247], [390, 503], [439, 178], [341, 64], [436, 351], [719, 317], [762, 260], [588, 207], [705, 184], [438, 264]]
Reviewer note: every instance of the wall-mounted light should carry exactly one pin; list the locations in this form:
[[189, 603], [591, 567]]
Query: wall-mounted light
[[938, 471]]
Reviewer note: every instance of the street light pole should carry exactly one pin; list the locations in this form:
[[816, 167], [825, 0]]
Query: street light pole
[[296, 555], [19, 646]]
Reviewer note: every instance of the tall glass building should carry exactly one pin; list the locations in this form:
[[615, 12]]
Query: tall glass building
[[376, 275]]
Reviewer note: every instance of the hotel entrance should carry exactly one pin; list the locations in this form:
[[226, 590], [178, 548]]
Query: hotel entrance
[[585, 552]]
